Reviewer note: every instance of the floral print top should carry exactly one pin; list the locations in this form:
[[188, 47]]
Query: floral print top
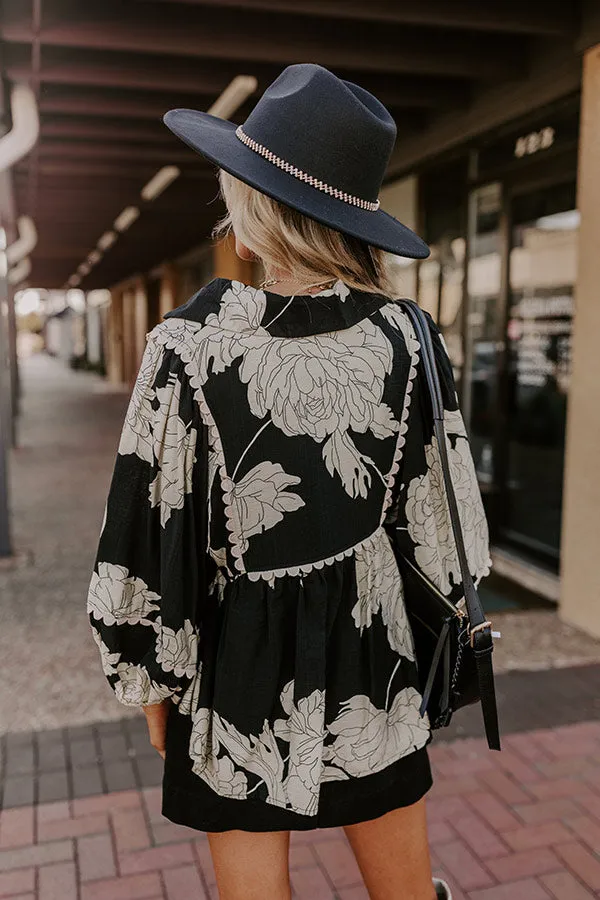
[[244, 569]]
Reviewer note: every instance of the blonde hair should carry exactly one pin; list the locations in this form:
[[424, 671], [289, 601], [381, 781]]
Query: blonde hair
[[285, 239]]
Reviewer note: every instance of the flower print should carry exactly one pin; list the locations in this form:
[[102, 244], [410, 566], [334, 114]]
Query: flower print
[[368, 739], [262, 498], [217, 771], [108, 659], [339, 289], [189, 701], [341, 455], [428, 516], [177, 651], [223, 778], [174, 449], [319, 384], [136, 688], [136, 436], [379, 589], [116, 598], [225, 335], [257, 754], [304, 730]]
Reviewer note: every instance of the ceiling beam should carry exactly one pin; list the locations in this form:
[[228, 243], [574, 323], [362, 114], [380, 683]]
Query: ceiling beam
[[98, 168], [56, 149], [193, 33], [548, 18], [98, 130], [78, 103], [204, 81]]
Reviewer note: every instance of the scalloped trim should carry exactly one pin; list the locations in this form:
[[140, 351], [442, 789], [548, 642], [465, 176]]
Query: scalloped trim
[[305, 569], [413, 347], [171, 334]]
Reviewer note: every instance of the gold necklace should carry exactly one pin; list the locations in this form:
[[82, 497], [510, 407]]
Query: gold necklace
[[319, 284]]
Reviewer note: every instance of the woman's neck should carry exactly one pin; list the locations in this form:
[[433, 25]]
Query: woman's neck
[[284, 283]]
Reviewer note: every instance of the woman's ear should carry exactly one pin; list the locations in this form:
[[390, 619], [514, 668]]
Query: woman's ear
[[243, 252]]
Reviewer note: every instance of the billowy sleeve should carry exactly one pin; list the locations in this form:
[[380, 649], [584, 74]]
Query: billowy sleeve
[[151, 570], [420, 515]]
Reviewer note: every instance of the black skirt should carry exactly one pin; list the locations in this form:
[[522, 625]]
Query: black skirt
[[187, 799]]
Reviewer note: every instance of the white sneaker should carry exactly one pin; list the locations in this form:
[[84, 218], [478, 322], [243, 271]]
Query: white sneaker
[[441, 889]]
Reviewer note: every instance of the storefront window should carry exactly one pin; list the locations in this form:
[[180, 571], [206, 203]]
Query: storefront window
[[542, 274], [483, 279]]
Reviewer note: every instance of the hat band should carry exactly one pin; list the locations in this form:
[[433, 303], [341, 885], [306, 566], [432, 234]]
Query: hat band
[[302, 176]]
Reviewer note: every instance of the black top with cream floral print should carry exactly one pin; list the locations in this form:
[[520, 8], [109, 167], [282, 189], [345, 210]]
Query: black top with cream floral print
[[244, 569]]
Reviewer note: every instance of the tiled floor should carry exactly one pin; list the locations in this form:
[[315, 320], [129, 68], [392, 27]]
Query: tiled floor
[[523, 824]]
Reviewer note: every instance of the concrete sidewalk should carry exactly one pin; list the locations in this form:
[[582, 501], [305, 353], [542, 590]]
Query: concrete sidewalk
[[523, 824]]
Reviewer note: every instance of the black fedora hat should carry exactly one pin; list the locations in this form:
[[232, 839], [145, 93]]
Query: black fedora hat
[[316, 143]]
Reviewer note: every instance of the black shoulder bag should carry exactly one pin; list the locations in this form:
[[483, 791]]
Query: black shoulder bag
[[453, 647]]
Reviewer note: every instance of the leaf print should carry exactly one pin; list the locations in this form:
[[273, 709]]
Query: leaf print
[[262, 498], [174, 449], [177, 651], [368, 739], [189, 701], [117, 598], [136, 688], [428, 516], [330, 773], [218, 772], [320, 384], [108, 659], [257, 754], [341, 456], [136, 436], [304, 730], [383, 423], [379, 588]]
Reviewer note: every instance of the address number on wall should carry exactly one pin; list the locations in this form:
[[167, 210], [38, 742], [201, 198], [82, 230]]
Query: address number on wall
[[536, 140]]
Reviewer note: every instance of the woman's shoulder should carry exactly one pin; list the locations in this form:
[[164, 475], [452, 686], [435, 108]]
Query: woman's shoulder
[[202, 303]]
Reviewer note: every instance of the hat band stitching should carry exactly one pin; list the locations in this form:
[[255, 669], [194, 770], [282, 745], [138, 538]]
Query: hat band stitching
[[303, 176]]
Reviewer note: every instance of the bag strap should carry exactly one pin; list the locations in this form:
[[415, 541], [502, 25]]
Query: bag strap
[[480, 633]]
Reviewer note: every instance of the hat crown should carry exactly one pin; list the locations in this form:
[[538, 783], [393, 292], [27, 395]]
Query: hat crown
[[331, 129]]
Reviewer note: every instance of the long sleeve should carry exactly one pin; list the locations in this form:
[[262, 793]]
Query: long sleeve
[[420, 513], [151, 568]]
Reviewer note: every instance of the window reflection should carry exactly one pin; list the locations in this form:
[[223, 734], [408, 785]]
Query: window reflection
[[543, 263]]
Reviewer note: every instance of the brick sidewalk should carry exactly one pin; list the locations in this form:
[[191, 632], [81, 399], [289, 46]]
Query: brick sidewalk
[[523, 824]]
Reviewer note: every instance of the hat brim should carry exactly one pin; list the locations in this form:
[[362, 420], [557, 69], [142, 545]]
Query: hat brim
[[215, 139]]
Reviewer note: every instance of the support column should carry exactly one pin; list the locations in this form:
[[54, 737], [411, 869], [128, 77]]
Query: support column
[[580, 581], [141, 321], [114, 344], [169, 284], [227, 263], [129, 352]]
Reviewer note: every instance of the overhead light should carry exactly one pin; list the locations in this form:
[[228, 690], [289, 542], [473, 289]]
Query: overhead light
[[107, 240], [236, 92], [25, 243], [20, 272], [84, 269], [94, 257], [74, 280], [126, 218], [159, 182], [26, 126]]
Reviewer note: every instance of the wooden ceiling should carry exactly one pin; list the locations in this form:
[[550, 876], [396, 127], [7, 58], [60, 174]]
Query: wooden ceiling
[[106, 70]]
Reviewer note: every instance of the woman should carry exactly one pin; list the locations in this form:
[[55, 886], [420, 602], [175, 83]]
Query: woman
[[245, 592]]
